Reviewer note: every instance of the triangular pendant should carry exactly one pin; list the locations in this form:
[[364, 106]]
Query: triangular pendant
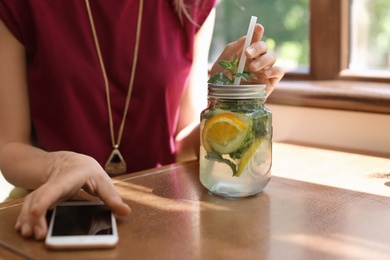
[[115, 163]]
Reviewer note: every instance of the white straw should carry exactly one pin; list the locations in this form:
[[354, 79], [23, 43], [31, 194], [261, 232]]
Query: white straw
[[248, 40]]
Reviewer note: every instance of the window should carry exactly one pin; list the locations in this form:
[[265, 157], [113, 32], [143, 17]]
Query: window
[[335, 25], [315, 39], [333, 57], [370, 35], [286, 28]]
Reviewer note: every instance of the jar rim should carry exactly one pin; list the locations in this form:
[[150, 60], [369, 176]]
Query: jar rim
[[245, 91]]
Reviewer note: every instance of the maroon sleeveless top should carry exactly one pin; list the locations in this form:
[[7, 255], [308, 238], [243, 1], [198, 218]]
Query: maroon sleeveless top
[[65, 82]]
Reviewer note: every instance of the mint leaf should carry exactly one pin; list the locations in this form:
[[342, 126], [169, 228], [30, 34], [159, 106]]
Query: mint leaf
[[217, 157], [220, 79], [227, 65], [231, 66], [235, 61], [243, 76]]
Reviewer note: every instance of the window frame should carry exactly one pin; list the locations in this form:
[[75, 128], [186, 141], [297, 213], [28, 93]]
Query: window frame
[[329, 83], [329, 38], [330, 45]]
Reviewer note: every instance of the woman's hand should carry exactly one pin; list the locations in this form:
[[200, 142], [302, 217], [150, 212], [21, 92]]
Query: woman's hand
[[70, 173], [259, 61]]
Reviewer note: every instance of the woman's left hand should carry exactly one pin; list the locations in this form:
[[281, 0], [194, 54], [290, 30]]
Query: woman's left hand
[[259, 61]]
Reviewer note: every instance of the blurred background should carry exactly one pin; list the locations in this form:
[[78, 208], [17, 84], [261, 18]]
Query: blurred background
[[365, 58], [286, 25]]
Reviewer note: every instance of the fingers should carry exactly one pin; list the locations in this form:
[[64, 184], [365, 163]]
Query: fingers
[[236, 47], [258, 33], [273, 76], [228, 53], [265, 61], [76, 172], [101, 185], [259, 60], [105, 189], [32, 219], [256, 49]]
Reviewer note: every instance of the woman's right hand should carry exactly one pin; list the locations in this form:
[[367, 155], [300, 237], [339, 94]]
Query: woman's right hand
[[260, 61], [70, 172]]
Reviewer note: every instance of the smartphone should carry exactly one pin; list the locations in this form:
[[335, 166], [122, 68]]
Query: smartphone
[[82, 224]]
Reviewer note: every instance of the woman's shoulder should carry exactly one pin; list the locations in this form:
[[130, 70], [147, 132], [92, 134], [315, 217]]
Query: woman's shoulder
[[20, 16]]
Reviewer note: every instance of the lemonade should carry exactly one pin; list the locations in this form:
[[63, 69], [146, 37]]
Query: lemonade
[[236, 142]]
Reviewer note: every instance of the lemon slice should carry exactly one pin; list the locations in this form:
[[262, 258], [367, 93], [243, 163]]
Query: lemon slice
[[247, 156], [225, 132]]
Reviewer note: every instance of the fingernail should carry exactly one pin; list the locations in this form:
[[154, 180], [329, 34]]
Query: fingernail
[[39, 234], [25, 231], [256, 64], [268, 73], [251, 51]]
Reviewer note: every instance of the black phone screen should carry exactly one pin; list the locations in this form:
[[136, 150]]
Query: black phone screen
[[82, 220]]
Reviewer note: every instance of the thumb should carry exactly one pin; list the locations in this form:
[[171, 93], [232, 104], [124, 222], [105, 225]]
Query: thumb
[[232, 49]]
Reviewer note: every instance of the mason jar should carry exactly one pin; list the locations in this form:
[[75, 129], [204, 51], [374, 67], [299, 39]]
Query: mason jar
[[236, 141]]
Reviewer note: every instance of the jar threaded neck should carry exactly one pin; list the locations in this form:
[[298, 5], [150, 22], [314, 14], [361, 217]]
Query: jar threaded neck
[[237, 91]]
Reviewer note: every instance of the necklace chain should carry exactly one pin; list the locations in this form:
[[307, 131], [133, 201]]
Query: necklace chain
[[116, 143]]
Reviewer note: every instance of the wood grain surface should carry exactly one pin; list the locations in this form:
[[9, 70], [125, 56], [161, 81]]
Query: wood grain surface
[[319, 204]]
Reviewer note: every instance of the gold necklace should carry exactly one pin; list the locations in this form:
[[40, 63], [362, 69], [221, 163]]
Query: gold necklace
[[115, 163]]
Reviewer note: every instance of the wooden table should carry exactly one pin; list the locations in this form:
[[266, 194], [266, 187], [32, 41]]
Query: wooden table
[[319, 204]]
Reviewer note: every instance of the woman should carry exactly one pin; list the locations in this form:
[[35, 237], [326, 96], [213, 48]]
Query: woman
[[96, 87]]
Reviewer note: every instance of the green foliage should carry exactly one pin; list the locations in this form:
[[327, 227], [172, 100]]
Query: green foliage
[[259, 129], [286, 24], [214, 156], [378, 38], [231, 66]]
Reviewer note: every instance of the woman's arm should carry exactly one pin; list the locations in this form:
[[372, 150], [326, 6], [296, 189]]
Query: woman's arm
[[15, 117], [195, 96], [56, 176]]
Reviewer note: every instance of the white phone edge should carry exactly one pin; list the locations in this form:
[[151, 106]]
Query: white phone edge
[[80, 242]]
